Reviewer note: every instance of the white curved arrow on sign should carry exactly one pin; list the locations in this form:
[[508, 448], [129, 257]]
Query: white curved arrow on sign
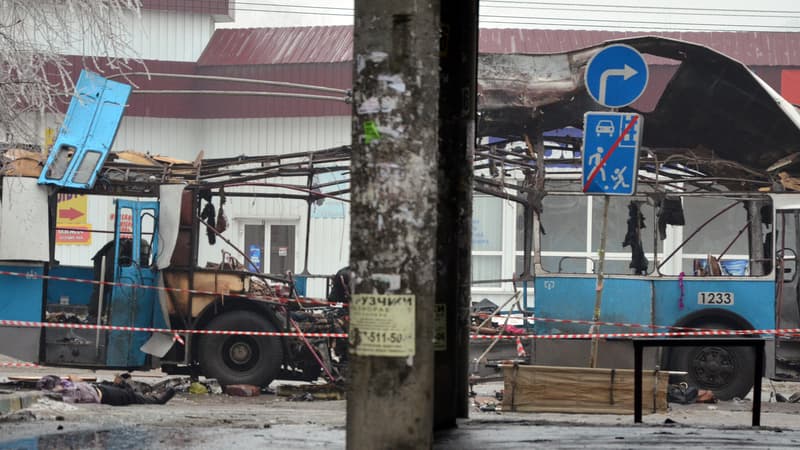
[[625, 72]]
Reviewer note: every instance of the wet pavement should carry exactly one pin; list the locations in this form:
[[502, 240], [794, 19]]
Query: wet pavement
[[270, 421], [472, 434], [533, 434], [294, 436]]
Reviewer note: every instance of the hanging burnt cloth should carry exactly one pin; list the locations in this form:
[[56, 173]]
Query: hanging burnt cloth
[[633, 238], [670, 212], [209, 215], [222, 218]]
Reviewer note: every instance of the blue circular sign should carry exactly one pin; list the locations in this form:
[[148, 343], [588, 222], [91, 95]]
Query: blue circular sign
[[616, 76]]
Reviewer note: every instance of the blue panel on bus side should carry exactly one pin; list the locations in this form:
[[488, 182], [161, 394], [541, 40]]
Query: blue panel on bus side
[[21, 297], [624, 300], [89, 129], [753, 299], [78, 293]]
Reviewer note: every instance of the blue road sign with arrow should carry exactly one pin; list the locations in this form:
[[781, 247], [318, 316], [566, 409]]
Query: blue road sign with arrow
[[616, 76], [611, 152]]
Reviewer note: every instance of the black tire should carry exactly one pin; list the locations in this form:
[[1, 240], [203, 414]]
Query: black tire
[[727, 371], [240, 359]]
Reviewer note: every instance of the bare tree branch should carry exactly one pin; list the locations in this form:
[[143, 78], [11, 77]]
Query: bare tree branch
[[37, 39]]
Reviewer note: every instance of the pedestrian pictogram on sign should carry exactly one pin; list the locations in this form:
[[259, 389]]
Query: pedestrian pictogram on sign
[[616, 76], [611, 152]]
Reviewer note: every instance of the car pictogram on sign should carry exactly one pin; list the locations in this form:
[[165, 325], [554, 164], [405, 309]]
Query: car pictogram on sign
[[604, 127]]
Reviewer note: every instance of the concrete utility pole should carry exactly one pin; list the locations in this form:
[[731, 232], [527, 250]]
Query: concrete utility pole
[[410, 246]]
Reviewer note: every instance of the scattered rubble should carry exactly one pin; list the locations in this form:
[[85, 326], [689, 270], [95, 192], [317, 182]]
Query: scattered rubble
[[18, 416], [306, 397], [198, 388], [243, 390], [780, 398], [310, 392]]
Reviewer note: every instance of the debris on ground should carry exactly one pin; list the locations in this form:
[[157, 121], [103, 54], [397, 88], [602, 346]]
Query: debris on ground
[[489, 407], [18, 416], [684, 394], [681, 393], [305, 397], [243, 390], [307, 392], [197, 388], [794, 398], [47, 409], [487, 404], [266, 390], [51, 405], [213, 386], [186, 384], [705, 396]]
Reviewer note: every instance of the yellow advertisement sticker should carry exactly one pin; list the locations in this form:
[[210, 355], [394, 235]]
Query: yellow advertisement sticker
[[71, 220], [382, 325], [74, 234], [72, 209]]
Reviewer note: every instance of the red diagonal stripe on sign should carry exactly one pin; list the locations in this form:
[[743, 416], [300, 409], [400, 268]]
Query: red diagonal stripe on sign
[[608, 155]]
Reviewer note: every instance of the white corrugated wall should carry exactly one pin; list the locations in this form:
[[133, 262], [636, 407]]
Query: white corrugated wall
[[171, 36], [156, 35], [184, 138]]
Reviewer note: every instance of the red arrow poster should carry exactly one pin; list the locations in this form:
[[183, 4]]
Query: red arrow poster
[[70, 214], [71, 221]]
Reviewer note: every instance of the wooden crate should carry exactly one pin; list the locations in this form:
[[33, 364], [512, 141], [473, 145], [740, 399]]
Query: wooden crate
[[580, 390]]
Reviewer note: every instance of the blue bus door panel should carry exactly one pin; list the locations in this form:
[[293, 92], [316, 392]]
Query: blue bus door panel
[[22, 301], [88, 132], [625, 299], [753, 299], [132, 304]]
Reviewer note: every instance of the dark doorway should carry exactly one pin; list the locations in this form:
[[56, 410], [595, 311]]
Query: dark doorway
[[281, 248]]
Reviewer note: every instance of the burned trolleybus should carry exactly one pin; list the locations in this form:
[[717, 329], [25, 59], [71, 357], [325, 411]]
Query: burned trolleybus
[[708, 240]]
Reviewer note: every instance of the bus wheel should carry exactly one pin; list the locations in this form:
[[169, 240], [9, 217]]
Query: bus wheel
[[240, 359], [727, 371]]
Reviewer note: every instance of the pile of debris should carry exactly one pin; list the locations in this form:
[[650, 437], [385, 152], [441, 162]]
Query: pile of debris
[[21, 162]]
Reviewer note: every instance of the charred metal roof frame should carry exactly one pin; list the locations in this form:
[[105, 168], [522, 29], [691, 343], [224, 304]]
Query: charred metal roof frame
[[120, 177], [714, 116]]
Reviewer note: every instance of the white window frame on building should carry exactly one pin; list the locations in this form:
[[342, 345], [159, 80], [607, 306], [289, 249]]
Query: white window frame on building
[[293, 249]]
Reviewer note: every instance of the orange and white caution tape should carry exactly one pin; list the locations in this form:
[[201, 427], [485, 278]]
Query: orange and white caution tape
[[175, 333], [19, 364], [592, 322], [521, 349], [704, 332]]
